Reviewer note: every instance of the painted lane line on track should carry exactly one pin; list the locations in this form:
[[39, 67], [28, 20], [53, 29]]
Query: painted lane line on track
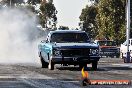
[[37, 76], [26, 76], [70, 81], [126, 65], [31, 79], [35, 84]]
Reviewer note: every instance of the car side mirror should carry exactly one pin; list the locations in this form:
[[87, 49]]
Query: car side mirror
[[44, 41]]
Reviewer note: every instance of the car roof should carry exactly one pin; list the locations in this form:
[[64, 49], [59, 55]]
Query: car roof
[[67, 31]]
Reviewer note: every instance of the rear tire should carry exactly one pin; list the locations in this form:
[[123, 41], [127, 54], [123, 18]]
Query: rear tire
[[94, 65]]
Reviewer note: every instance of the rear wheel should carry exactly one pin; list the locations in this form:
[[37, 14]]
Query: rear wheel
[[94, 65]]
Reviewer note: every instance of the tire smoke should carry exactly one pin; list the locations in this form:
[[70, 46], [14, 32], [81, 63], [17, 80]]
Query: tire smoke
[[18, 36]]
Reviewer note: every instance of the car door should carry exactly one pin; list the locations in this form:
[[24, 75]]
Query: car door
[[124, 47], [46, 50]]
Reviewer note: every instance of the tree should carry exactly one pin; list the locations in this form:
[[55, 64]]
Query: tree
[[111, 20], [48, 14], [11, 2], [63, 28], [33, 2], [88, 20]]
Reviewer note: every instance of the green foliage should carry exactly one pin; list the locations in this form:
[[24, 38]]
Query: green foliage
[[107, 18], [33, 2], [48, 14], [11, 2], [30, 7], [88, 20], [63, 28], [111, 20], [21, 1], [48, 9]]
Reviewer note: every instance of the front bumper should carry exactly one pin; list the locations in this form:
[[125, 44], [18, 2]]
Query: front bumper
[[74, 59], [107, 53]]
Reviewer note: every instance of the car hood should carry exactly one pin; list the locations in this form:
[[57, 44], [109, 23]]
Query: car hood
[[75, 45]]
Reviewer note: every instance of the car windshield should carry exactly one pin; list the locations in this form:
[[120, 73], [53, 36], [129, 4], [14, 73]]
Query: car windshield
[[69, 37], [107, 43]]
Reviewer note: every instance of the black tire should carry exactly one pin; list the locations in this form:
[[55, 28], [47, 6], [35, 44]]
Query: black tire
[[94, 65], [124, 60], [118, 56], [81, 65], [44, 64], [51, 65], [112, 56], [121, 55], [107, 56]]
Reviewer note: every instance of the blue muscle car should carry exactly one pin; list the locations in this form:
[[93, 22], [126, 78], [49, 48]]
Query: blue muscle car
[[70, 47]]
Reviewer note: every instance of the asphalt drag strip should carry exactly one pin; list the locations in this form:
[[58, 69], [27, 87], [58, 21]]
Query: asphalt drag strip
[[49, 83]]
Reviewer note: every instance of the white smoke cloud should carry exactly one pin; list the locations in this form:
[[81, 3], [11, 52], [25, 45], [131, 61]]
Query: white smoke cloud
[[17, 36]]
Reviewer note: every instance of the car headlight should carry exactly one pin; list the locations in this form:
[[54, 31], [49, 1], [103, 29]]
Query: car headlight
[[94, 51], [57, 53]]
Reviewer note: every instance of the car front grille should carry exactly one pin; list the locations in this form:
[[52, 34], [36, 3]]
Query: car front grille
[[75, 52]]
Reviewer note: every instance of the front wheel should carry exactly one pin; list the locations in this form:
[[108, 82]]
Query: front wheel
[[121, 55], [51, 65], [94, 65], [81, 65], [44, 64], [118, 56]]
